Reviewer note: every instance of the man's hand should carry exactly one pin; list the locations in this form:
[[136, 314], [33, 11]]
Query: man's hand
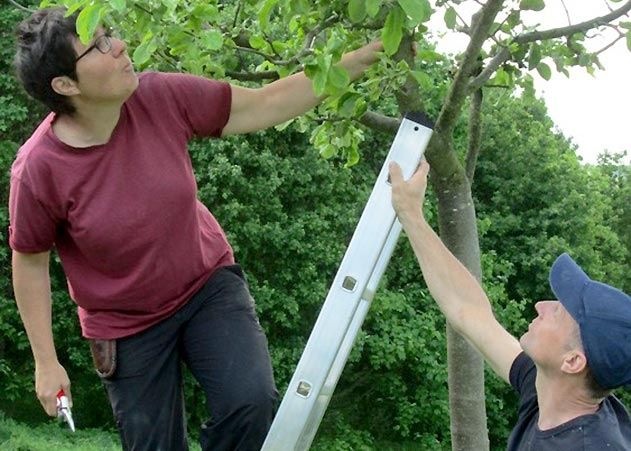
[[408, 196], [49, 379]]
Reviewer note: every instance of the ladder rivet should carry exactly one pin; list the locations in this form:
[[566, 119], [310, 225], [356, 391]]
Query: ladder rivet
[[349, 283], [304, 388]]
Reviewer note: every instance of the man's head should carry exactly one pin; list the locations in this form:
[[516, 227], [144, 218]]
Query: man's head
[[45, 50], [603, 315], [586, 333]]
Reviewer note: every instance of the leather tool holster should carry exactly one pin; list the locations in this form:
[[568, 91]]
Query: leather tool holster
[[103, 356]]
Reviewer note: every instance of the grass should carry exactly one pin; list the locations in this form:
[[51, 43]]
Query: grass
[[53, 436]]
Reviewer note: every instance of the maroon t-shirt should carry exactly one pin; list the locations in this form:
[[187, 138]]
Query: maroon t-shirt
[[134, 241]]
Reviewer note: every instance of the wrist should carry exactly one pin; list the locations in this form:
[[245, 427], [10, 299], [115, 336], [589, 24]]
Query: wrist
[[45, 360], [411, 218]]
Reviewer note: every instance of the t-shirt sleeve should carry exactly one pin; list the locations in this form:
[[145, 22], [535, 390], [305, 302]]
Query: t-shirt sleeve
[[31, 226], [522, 373], [203, 104]]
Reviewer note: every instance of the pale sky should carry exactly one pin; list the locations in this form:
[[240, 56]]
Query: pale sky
[[594, 110]]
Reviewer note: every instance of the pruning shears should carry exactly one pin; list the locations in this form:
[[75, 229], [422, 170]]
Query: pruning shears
[[63, 409]]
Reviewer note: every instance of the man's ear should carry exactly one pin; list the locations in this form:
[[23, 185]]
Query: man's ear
[[64, 86], [574, 362]]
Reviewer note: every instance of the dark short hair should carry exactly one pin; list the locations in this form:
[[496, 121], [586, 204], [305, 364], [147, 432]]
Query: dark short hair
[[44, 51], [595, 390]]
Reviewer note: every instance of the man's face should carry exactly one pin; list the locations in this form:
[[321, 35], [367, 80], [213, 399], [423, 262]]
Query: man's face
[[104, 70], [550, 335]]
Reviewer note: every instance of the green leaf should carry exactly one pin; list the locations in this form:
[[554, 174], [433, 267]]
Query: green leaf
[[257, 41], [393, 31], [357, 10], [118, 5], [417, 10], [318, 73], [328, 151], [338, 78], [265, 13], [424, 80], [299, 6], [450, 18], [544, 70], [87, 21], [144, 51], [72, 8], [346, 104], [532, 5], [373, 7], [534, 57], [212, 40], [502, 78], [629, 39], [352, 157]]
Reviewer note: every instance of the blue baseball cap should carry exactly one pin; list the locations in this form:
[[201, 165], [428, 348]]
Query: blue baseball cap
[[603, 314]]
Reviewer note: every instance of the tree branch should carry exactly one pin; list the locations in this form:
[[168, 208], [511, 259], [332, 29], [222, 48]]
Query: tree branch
[[408, 95], [500, 58], [598, 52], [572, 29], [475, 134], [452, 106], [504, 55], [380, 122], [20, 7], [253, 76]]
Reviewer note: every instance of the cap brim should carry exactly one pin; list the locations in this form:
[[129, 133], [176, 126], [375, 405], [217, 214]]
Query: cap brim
[[568, 281]]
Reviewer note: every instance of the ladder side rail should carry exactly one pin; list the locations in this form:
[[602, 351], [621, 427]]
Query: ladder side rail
[[341, 303], [326, 393]]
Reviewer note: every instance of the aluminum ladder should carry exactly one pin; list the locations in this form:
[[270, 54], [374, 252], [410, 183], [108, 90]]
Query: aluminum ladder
[[345, 307]]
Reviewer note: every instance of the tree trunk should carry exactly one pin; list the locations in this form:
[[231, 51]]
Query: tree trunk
[[458, 230]]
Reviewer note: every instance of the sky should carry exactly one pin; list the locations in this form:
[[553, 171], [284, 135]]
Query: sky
[[594, 110]]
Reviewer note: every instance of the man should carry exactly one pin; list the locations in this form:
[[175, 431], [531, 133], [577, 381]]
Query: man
[[106, 179], [564, 367]]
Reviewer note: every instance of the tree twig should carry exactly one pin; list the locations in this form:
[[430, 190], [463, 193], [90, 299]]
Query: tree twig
[[572, 29], [504, 55], [253, 76], [611, 44], [236, 14], [475, 134], [500, 58], [20, 7], [567, 13]]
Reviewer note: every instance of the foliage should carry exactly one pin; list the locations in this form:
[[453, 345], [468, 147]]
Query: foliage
[[541, 202], [619, 191], [18, 114]]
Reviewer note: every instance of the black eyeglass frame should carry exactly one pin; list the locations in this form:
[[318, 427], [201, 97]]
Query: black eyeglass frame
[[103, 44]]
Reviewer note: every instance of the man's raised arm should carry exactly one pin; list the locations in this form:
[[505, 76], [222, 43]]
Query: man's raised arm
[[457, 293]]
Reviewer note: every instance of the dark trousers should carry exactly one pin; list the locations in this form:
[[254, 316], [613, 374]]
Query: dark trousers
[[218, 336]]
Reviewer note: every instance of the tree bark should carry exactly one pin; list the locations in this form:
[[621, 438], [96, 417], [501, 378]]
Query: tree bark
[[458, 230]]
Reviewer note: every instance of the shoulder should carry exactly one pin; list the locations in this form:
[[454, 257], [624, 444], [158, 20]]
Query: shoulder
[[615, 414], [174, 81], [31, 155], [522, 372]]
